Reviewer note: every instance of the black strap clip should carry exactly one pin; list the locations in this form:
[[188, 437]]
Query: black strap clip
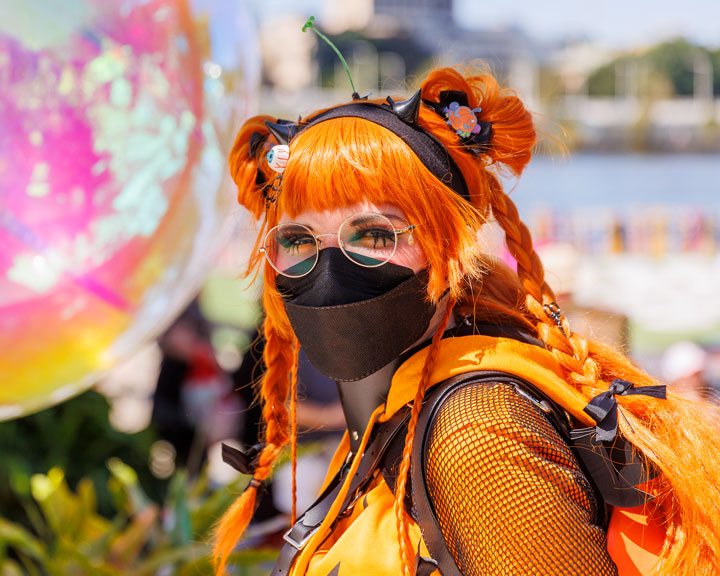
[[244, 462], [603, 407]]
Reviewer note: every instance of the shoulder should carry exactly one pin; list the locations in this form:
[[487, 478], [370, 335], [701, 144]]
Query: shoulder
[[491, 403], [492, 431], [495, 471]]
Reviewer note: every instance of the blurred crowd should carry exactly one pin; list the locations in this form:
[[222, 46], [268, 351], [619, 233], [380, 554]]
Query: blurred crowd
[[651, 230], [198, 404]]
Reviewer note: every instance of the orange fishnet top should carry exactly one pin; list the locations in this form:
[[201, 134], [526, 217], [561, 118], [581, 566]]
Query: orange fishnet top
[[507, 490]]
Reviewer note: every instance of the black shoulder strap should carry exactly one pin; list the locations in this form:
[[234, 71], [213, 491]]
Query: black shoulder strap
[[432, 534], [299, 534]]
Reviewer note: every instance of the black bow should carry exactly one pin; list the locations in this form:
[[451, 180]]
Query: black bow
[[244, 462], [477, 143], [603, 407]]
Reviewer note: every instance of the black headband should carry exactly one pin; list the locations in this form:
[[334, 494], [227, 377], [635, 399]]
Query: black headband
[[426, 147]]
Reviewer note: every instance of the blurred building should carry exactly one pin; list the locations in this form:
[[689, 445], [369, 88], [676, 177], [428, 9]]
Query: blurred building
[[385, 41], [603, 99]]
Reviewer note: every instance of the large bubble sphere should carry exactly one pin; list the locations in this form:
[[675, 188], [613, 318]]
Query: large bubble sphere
[[115, 121]]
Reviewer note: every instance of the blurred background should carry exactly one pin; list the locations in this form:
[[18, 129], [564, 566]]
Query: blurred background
[[126, 327]]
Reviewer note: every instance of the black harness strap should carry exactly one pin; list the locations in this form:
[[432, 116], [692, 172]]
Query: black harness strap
[[613, 469], [308, 523], [431, 531]]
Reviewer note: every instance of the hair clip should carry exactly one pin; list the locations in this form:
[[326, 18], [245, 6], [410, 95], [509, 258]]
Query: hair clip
[[462, 119], [553, 312], [271, 192], [277, 160]]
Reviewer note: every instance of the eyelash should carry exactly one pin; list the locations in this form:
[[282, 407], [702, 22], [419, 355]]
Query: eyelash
[[290, 243], [383, 235]]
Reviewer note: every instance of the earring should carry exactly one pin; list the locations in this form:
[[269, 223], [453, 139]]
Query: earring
[[277, 160]]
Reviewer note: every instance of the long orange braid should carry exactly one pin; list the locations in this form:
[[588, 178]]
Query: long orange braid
[[407, 555], [293, 428], [278, 356]]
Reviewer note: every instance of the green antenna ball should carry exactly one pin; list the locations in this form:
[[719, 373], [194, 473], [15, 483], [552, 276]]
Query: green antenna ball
[[309, 24]]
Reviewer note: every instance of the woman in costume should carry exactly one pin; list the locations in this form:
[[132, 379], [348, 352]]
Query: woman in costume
[[484, 435]]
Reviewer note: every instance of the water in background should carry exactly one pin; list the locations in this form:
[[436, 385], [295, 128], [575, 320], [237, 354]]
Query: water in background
[[645, 230], [619, 181], [624, 203]]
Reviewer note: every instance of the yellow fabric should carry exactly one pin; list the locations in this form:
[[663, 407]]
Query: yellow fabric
[[365, 540], [469, 353], [363, 543], [324, 529], [338, 458]]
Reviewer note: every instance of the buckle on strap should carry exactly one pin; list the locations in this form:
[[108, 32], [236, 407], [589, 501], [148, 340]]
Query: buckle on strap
[[299, 544]]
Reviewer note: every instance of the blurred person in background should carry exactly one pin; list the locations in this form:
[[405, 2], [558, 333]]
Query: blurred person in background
[[194, 404], [479, 424], [683, 366], [320, 422]]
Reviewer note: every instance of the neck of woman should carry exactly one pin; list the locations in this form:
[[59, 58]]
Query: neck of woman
[[360, 398]]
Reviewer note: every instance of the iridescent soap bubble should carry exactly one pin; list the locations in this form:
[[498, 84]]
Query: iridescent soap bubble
[[115, 120]]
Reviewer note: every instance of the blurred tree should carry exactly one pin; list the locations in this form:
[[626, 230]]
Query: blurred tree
[[675, 60], [602, 81], [715, 59], [664, 71]]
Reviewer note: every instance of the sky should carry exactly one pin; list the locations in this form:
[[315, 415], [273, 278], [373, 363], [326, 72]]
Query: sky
[[620, 23], [617, 23]]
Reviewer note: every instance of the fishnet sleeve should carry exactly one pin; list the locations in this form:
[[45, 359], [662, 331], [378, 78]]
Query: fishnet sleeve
[[508, 493]]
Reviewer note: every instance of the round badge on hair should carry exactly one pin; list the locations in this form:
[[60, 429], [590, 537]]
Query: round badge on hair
[[462, 119], [278, 157]]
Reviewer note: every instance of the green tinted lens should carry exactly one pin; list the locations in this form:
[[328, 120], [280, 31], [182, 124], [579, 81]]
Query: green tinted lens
[[368, 239], [291, 249]]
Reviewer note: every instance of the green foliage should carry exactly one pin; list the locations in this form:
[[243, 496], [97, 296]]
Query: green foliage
[[602, 81], [674, 60], [665, 70], [76, 437], [71, 538], [715, 59]]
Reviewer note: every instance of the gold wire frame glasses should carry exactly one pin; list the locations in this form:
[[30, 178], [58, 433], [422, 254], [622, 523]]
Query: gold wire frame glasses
[[368, 239]]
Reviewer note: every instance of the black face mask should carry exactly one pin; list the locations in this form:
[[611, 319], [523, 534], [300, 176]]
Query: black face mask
[[350, 320]]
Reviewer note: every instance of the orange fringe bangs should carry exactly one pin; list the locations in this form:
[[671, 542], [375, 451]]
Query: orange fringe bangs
[[349, 161]]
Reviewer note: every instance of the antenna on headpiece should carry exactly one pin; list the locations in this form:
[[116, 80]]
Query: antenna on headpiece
[[309, 25]]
